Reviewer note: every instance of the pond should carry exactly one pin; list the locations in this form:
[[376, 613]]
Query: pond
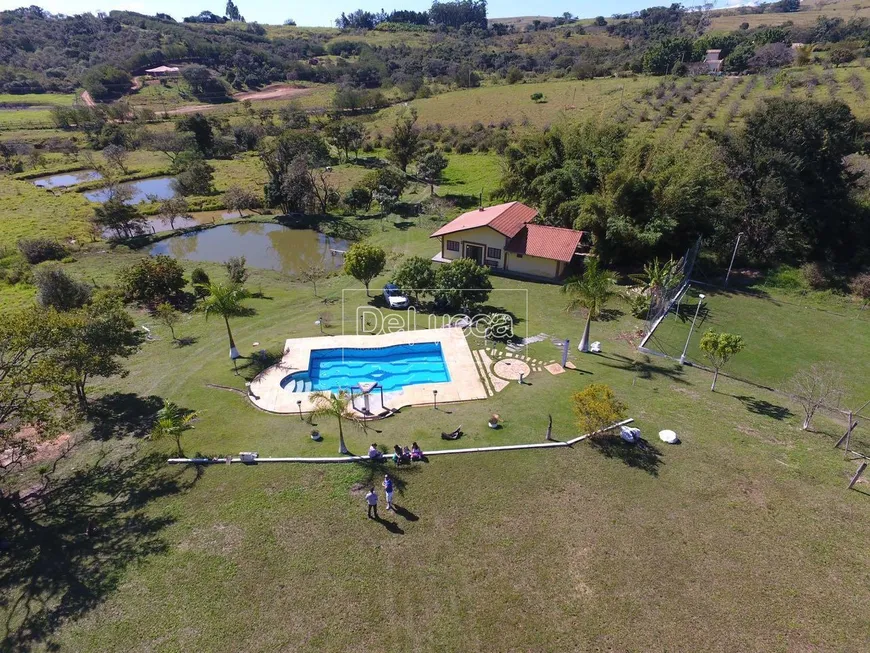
[[67, 179], [159, 187], [268, 246]]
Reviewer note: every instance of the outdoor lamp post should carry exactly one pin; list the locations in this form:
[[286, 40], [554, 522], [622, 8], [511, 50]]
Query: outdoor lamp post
[[299, 406], [733, 256], [320, 324], [435, 399], [691, 328]]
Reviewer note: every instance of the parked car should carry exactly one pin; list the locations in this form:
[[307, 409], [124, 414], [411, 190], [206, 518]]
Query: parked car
[[394, 297]]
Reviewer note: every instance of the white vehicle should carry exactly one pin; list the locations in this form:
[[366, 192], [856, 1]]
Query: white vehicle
[[394, 296]]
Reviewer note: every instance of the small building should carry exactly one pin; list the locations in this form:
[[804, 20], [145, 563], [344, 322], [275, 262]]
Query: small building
[[713, 61], [163, 71], [504, 238]]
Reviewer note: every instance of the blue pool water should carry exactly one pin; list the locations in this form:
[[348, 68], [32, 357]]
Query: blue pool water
[[391, 367]]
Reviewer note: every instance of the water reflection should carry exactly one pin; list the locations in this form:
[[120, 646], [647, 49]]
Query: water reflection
[[159, 187], [268, 246], [67, 179]]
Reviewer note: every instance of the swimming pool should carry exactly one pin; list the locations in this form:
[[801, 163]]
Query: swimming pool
[[390, 367]]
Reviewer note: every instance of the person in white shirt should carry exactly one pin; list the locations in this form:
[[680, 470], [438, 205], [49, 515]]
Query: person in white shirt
[[372, 501]]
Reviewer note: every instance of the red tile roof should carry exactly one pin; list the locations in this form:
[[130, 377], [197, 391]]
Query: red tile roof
[[507, 219], [554, 243]]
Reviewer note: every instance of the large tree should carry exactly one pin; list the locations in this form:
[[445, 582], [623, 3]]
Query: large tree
[[364, 262], [95, 338], [289, 160], [462, 284], [795, 183], [415, 274], [30, 395], [405, 140]]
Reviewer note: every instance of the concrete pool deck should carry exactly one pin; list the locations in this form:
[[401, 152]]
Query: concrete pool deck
[[464, 385]]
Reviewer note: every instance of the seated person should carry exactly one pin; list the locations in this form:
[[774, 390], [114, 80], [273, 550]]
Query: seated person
[[397, 454], [406, 453], [416, 452], [373, 451]]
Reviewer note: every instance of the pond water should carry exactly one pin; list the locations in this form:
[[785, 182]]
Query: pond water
[[67, 179], [268, 246], [160, 187]]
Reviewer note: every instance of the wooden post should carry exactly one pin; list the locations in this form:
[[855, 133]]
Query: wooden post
[[550, 429], [847, 436], [857, 475]]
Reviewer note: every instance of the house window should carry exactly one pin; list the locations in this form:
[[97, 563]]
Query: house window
[[494, 253], [452, 245], [519, 255]]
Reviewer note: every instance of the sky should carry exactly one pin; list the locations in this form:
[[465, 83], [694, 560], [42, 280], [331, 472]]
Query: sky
[[324, 12]]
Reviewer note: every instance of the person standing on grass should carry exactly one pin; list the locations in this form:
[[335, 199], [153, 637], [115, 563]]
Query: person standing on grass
[[388, 491], [372, 501]]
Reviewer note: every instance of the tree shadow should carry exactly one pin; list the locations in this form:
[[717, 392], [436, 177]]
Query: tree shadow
[[609, 314], [123, 414], [403, 225], [68, 543], [463, 201], [762, 407], [645, 368], [642, 455], [371, 474], [186, 341], [258, 362]]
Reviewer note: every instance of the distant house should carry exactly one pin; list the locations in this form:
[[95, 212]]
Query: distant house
[[163, 71], [503, 238], [713, 61]]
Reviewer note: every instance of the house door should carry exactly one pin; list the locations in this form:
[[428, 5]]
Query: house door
[[474, 252]]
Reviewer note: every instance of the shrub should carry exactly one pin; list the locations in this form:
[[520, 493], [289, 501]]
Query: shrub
[[152, 280], [200, 281], [860, 286], [597, 407], [37, 250], [237, 273], [538, 98], [815, 276], [514, 75], [56, 289]]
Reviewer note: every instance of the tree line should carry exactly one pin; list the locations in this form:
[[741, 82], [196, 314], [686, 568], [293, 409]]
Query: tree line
[[783, 180]]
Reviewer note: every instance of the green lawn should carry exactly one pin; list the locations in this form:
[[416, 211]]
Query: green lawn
[[784, 333], [722, 539]]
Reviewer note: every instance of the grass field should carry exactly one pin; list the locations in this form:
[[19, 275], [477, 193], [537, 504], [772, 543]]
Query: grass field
[[492, 104], [593, 547], [784, 333], [743, 538]]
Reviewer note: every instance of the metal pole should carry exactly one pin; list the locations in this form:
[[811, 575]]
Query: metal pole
[[435, 399], [691, 328], [733, 256], [299, 406]]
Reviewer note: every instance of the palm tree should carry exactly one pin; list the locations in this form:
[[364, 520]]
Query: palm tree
[[224, 300], [172, 422], [591, 291], [331, 404], [659, 276]]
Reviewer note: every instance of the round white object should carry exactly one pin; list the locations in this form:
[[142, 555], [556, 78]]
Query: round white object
[[668, 436]]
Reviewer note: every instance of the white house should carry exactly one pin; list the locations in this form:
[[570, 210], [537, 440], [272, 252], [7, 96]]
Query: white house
[[504, 238]]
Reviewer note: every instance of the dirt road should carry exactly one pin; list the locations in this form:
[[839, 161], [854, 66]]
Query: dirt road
[[273, 92]]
